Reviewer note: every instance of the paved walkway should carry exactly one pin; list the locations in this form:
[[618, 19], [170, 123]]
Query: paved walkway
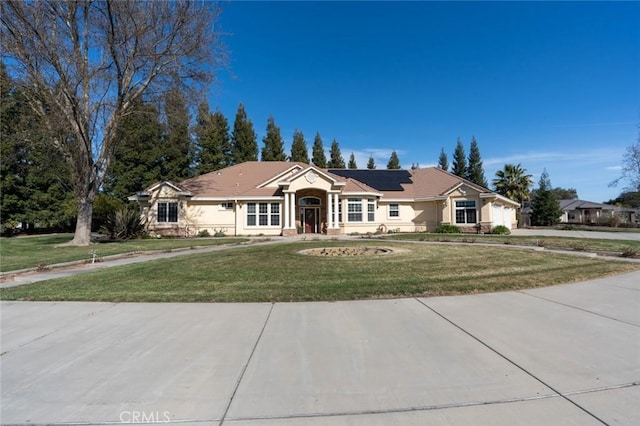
[[568, 354]]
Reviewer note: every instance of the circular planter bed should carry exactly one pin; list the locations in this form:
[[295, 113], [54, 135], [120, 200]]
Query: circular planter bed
[[346, 251]]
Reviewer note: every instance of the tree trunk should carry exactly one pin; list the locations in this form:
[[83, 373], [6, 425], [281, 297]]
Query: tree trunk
[[82, 236]]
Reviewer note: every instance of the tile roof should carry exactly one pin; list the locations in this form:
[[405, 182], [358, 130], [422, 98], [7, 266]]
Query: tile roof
[[239, 180], [258, 179]]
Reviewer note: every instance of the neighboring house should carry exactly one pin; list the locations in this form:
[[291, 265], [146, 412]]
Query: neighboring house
[[287, 198], [588, 212], [580, 211]]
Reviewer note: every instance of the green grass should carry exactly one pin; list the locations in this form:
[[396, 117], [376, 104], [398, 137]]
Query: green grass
[[277, 273], [563, 243], [40, 251]]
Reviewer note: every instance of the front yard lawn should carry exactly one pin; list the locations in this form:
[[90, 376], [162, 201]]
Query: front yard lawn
[[560, 243], [278, 273], [40, 251]]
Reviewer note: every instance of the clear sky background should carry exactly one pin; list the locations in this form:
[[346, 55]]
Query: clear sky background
[[552, 85]]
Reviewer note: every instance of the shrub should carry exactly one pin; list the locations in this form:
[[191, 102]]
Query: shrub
[[501, 230], [630, 252], [204, 233], [125, 223], [447, 229]]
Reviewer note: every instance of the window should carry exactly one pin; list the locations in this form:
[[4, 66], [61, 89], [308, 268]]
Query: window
[[263, 217], [168, 212], [263, 214], [465, 212], [309, 201], [226, 206], [339, 211], [354, 209], [371, 210], [251, 214], [394, 210], [275, 214]]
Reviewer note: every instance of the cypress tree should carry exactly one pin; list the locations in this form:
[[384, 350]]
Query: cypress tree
[[177, 150], [212, 139], [336, 161], [273, 149], [244, 145], [371, 164], [352, 162], [475, 172], [299, 151], [545, 208], [394, 161], [137, 158], [318, 157], [459, 161], [443, 161]]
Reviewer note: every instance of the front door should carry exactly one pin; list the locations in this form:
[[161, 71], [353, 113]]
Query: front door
[[309, 221]]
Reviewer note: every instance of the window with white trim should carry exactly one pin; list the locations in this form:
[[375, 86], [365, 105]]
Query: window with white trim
[[339, 211], [167, 212], [354, 209], [275, 214], [226, 205], [263, 214], [371, 210], [466, 212], [251, 214], [394, 210]]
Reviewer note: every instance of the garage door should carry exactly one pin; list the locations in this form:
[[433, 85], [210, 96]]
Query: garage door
[[508, 211], [498, 218]]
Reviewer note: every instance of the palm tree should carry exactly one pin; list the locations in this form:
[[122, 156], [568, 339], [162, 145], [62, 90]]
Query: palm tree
[[513, 183]]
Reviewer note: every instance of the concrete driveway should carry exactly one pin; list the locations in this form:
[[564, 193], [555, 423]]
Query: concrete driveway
[[566, 355]]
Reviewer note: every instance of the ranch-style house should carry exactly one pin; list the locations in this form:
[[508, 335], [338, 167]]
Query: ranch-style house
[[288, 198]]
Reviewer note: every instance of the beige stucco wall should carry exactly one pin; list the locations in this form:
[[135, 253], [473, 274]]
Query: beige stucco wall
[[428, 215], [210, 216], [301, 182], [410, 218]]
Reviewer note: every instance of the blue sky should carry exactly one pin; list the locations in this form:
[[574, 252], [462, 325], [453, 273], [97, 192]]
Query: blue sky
[[552, 85]]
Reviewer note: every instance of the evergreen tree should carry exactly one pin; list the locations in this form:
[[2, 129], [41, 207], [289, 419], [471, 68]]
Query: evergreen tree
[[299, 151], [459, 161], [244, 145], [273, 149], [137, 157], [371, 164], [212, 139], [318, 157], [443, 161], [35, 185], [352, 162], [335, 161], [475, 172], [394, 161], [177, 149], [545, 208]]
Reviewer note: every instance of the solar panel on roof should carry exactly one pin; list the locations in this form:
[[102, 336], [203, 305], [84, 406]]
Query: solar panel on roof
[[382, 180]]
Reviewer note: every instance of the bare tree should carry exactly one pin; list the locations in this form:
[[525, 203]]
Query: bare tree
[[630, 168], [82, 64]]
